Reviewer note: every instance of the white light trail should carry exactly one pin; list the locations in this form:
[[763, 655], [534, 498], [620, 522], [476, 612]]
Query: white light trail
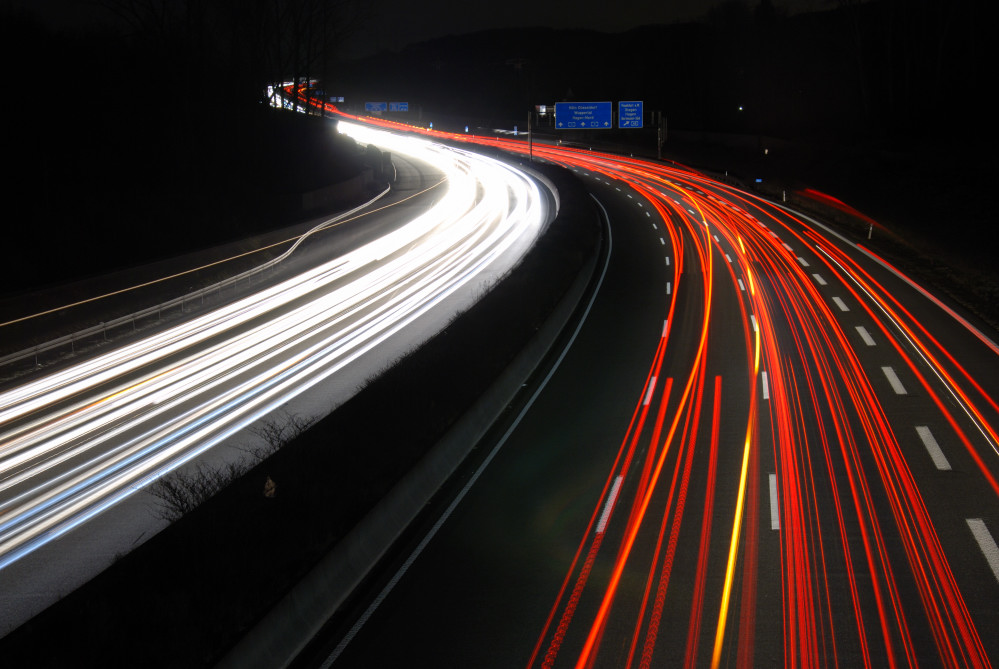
[[77, 441]]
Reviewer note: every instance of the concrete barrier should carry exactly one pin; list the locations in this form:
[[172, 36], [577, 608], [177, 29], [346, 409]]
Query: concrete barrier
[[285, 631]]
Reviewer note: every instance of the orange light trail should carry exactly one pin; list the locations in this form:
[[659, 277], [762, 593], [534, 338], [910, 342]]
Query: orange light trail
[[864, 576]]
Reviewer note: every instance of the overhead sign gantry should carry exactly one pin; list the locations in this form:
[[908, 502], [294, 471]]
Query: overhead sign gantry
[[588, 115]]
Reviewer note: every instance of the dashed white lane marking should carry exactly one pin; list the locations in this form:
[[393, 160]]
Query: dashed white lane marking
[[756, 327], [986, 543], [893, 379], [648, 395], [774, 508], [662, 241], [742, 286], [716, 238], [669, 288], [647, 213], [841, 304], [866, 336], [608, 505], [819, 280], [804, 263], [667, 261], [787, 246], [930, 442], [766, 386], [728, 257]]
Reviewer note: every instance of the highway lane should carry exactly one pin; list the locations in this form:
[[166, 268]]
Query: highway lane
[[299, 247], [75, 442], [483, 577], [748, 468], [864, 577]]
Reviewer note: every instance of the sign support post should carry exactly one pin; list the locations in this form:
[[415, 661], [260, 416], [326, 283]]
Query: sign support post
[[530, 136]]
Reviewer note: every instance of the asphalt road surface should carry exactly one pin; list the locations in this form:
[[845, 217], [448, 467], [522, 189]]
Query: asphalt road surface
[[763, 447], [81, 439]]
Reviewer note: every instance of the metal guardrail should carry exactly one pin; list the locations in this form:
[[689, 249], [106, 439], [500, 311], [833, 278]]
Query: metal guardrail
[[102, 329]]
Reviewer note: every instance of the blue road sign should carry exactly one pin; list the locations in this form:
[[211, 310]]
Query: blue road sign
[[375, 106], [398, 106], [589, 115], [629, 114]]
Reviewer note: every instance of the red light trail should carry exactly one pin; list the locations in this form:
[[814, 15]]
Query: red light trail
[[758, 373]]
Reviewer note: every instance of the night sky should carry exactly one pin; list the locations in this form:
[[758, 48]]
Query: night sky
[[393, 24], [893, 78]]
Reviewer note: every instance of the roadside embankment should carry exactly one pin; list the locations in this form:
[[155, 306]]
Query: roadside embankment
[[186, 596]]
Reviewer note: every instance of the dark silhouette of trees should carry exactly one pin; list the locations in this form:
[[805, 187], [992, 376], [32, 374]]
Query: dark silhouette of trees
[[238, 46], [143, 134], [920, 64]]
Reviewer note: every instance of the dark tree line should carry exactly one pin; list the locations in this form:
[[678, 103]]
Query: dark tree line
[[857, 68], [921, 61], [146, 134], [239, 46], [881, 67]]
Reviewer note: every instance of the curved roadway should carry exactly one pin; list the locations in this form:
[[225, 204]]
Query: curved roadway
[[764, 447], [76, 442]]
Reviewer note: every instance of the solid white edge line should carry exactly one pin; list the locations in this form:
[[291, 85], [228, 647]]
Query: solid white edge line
[[950, 389], [953, 314], [774, 507], [985, 543], [896, 383], [936, 453], [609, 505], [345, 641]]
